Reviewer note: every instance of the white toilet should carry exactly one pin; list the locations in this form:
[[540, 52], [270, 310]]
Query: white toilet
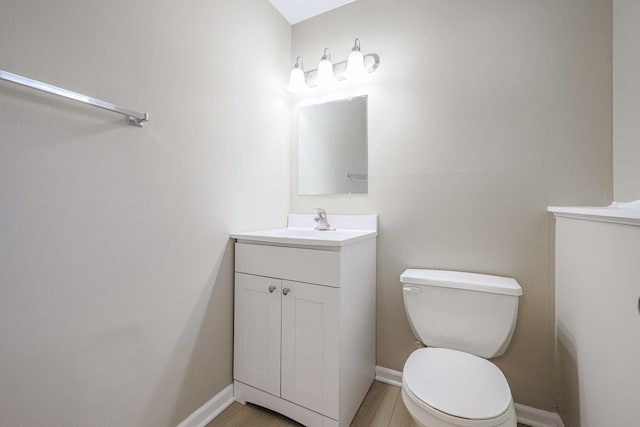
[[463, 318]]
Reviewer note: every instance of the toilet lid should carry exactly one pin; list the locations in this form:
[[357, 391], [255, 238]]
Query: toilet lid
[[457, 383]]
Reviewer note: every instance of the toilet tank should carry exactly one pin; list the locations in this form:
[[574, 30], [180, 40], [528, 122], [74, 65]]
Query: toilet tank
[[474, 313]]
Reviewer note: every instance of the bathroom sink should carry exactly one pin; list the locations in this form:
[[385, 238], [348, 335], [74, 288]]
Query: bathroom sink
[[300, 232]]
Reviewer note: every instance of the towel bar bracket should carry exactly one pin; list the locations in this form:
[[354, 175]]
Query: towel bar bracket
[[135, 121]]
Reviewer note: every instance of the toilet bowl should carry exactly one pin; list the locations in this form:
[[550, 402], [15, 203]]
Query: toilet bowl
[[467, 317]]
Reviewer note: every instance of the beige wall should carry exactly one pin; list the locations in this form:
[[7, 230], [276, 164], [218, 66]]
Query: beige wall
[[480, 116], [115, 263], [626, 99]]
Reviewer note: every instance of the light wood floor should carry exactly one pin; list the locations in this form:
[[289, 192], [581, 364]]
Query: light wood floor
[[382, 407]]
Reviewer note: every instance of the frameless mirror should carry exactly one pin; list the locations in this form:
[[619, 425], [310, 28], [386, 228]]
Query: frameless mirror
[[332, 147]]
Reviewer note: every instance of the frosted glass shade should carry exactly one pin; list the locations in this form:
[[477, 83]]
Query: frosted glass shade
[[355, 67], [325, 77], [297, 82]]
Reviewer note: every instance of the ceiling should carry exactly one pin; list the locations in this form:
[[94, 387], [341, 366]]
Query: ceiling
[[296, 11]]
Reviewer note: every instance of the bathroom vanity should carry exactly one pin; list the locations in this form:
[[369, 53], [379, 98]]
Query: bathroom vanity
[[598, 314], [304, 319]]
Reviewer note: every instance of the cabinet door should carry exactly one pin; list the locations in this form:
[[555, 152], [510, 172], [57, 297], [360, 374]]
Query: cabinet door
[[257, 332], [310, 352]]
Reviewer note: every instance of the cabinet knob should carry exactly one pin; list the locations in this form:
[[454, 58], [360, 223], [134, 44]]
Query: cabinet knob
[[285, 290], [271, 289]]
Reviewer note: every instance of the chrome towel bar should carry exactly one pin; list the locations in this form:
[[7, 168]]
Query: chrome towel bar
[[134, 118]]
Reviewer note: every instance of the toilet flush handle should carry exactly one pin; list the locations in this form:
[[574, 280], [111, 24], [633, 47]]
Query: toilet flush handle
[[411, 289]]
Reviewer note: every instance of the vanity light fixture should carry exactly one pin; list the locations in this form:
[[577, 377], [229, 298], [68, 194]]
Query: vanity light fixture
[[354, 69], [297, 82]]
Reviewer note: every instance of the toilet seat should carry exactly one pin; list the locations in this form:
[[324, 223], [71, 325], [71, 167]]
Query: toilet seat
[[456, 384]]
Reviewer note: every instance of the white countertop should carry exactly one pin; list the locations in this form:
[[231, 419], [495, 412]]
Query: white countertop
[[621, 213], [305, 236], [300, 232]]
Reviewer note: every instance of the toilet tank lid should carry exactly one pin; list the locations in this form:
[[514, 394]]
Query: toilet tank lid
[[462, 280]]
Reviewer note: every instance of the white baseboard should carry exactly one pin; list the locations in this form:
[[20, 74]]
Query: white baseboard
[[211, 409], [526, 415], [537, 417], [389, 376]]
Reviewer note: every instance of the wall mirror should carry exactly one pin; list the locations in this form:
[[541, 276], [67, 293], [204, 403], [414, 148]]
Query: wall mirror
[[332, 147]]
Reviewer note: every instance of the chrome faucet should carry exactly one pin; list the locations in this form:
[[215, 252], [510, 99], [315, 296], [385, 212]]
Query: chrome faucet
[[322, 223]]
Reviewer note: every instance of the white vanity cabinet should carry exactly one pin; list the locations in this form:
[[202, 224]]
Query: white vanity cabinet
[[287, 345], [304, 331], [598, 315]]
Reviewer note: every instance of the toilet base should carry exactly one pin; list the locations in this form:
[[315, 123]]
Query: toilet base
[[425, 416]]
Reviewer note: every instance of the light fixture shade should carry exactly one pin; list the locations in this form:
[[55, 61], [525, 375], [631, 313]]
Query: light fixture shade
[[325, 77], [297, 82], [355, 66]]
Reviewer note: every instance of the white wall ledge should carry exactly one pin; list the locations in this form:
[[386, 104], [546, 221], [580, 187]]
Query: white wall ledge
[[620, 213]]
